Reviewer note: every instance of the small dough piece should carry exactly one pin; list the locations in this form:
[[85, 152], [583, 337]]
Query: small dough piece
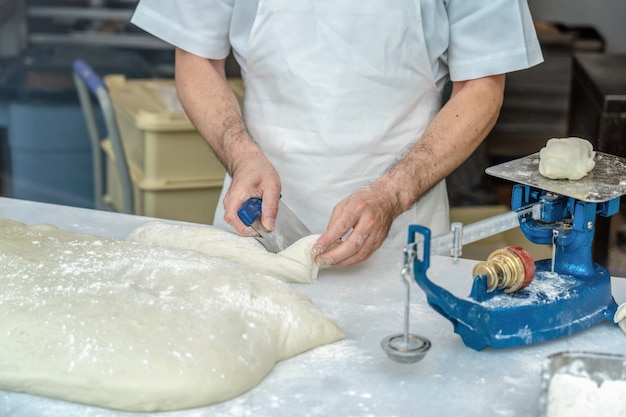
[[566, 158], [620, 316], [294, 264], [132, 327]]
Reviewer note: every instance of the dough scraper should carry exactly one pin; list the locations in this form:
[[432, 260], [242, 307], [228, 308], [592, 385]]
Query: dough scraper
[[288, 229]]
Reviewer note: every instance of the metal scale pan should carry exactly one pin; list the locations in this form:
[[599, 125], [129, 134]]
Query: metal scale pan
[[605, 182]]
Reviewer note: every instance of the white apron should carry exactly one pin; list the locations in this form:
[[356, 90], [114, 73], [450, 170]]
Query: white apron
[[335, 92]]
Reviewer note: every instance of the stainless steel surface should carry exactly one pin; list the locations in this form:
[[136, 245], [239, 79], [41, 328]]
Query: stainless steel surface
[[354, 377], [287, 231], [598, 367], [606, 181]]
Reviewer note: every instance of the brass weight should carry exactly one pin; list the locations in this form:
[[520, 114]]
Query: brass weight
[[509, 269]]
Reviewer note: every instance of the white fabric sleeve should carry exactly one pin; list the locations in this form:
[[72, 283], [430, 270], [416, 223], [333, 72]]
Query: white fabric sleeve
[[490, 37], [200, 27]]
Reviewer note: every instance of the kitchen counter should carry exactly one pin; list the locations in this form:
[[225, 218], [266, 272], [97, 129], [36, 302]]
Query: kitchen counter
[[353, 377]]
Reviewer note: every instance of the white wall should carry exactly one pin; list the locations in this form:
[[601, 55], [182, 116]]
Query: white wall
[[607, 16]]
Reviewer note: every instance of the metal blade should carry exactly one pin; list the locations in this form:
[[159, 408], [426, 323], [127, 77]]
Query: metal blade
[[288, 229]]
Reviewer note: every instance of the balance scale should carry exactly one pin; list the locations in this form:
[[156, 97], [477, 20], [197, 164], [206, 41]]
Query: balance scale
[[550, 298]]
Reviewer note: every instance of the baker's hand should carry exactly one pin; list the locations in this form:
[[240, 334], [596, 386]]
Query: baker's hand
[[253, 176], [367, 214]]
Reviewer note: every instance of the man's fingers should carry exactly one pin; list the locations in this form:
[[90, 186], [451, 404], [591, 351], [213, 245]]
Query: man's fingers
[[337, 229], [269, 210], [356, 248]]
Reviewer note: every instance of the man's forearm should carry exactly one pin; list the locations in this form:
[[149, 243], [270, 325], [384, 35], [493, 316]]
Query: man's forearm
[[449, 140], [213, 108]]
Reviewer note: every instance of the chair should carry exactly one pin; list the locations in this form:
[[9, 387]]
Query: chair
[[88, 83]]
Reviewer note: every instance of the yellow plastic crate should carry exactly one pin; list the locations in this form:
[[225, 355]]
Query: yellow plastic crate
[[186, 200], [159, 140]]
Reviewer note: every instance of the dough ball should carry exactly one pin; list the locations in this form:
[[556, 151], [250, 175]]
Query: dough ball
[[566, 158]]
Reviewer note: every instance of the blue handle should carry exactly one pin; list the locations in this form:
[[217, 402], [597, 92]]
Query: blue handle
[[89, 76], [250, 211]]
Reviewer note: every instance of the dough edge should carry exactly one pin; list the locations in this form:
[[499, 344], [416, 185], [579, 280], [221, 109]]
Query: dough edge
[[294, 264]]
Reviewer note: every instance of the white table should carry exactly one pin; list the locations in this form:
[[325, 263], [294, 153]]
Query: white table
[[354, 377]]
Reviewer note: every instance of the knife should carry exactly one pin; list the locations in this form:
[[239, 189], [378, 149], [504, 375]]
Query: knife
[[288, 229]]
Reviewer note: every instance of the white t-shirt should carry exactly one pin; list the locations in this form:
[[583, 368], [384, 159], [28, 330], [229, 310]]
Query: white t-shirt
[[466, 39]]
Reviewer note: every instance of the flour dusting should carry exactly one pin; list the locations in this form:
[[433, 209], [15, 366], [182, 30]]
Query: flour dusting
[[579, 396], [543, 289]]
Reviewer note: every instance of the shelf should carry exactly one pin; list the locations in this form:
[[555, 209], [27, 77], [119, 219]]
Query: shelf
[[87, 23], [120, 40], [98, 13]]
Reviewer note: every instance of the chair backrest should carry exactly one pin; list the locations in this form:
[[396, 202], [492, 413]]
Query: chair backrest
[[89, 83]]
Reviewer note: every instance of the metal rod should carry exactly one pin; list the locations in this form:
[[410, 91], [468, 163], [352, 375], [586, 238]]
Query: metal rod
[[555, 234], [406, 278], [444, 244], [457, 244]]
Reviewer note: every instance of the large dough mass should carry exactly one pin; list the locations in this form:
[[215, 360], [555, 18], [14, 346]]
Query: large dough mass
[[566, 158], [132, 327]]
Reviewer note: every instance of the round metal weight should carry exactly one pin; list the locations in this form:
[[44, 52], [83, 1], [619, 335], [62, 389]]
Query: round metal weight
[[405, 348]]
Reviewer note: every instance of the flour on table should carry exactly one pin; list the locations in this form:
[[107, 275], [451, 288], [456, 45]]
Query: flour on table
[[566, 158], [132, 327], [578, 396], [294, 264]]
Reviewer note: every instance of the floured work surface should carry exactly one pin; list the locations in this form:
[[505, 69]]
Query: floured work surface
[[141, 328], [606, 181]]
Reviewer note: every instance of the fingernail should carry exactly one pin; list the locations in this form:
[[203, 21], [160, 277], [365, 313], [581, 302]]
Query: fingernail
[[269, 224], [317, 249]]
